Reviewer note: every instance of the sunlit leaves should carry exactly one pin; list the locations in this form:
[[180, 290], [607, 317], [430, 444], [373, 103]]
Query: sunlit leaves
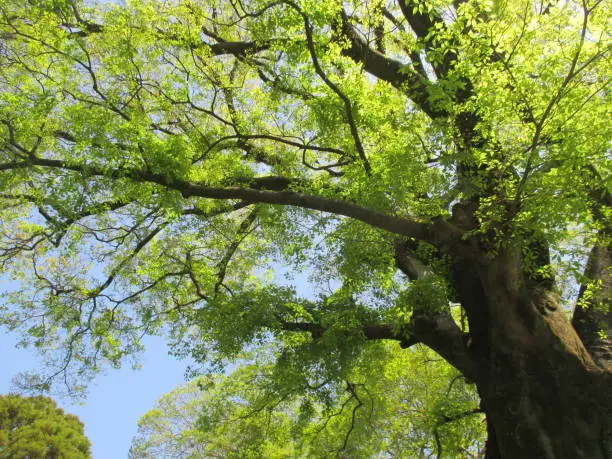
[[127, 107], [404, 403]]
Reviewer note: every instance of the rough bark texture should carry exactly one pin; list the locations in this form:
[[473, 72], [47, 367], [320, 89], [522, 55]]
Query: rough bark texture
[[543, 394], [593, 316], [545, 397], [545, 382]]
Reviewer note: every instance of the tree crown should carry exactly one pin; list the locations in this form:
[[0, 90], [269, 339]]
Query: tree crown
[[157, 158], [35, 427]]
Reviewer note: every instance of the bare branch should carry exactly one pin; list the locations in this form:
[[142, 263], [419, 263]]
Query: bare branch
[[243, 231], [352, 389]]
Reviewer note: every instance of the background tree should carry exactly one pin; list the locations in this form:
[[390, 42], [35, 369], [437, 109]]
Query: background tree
[[406, 404], [158, 157], [34, 427]]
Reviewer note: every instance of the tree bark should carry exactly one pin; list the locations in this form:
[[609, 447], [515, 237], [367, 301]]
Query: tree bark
[[543, 394]]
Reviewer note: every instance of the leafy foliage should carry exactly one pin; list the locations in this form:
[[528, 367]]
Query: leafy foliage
[[35, 427], [120, 122], [438, 169], [405, 404]]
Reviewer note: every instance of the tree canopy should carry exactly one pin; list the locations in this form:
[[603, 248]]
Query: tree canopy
[[406, 404], [35, 428], [158, 160]]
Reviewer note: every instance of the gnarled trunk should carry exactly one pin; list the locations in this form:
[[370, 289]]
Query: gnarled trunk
[[537, 411], [543, 395]]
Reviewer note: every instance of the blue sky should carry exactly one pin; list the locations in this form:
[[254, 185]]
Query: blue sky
[[116, 399]]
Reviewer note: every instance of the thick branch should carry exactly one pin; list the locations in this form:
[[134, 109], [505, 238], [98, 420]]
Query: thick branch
[[377, 219], [424, 24], [371, 332], [389, 70], [408, 262], [437, 331], [420, 23], [237, 48], [292, 198], [441, 333]]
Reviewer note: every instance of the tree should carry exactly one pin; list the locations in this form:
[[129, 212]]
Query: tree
[[408, 404], [34, 427], [158, 157]]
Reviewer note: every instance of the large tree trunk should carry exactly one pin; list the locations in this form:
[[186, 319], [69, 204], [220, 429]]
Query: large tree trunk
[[544, 401], [536, 411], [543, 394]]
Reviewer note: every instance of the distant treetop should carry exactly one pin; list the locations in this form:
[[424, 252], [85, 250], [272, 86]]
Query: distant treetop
[[35, 428]]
